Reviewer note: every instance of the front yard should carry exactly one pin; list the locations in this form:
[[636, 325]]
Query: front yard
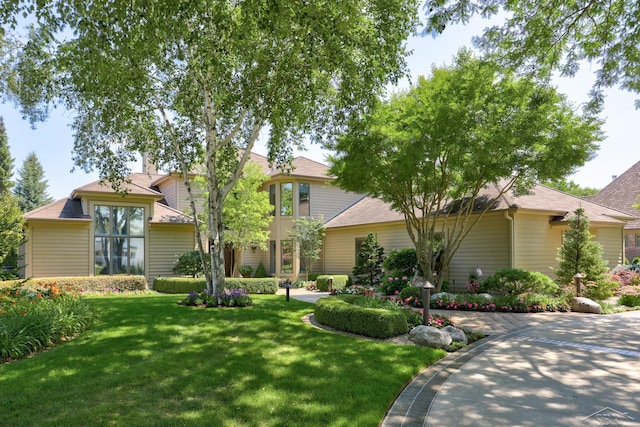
[[149, 361]]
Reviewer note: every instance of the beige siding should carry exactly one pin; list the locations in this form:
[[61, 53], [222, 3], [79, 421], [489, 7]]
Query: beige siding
[[168, 188], [612, 243], [486, 247], [340, 244], [59, 249], [182, 196], [166, 243], [329, 200], [536, 243]]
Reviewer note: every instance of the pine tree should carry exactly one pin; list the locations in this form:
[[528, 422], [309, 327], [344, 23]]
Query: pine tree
[[31, 188], [368, 269], [579, 253], [6, 162], [11, 230]]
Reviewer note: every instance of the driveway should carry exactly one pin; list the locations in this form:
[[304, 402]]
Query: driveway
[[579, 371]]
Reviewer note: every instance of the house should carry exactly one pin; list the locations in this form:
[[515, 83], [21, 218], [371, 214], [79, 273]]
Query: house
[[96, 231], [518, 232], [622, 194]]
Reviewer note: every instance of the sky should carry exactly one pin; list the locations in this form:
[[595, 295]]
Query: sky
[[52, 141]]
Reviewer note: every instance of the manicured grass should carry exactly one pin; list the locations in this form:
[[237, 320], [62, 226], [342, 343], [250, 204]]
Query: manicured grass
[[150, 361]]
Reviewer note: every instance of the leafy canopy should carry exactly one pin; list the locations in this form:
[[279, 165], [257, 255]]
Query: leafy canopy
[[434, 149], [193, 82], [543, 37], [6, 161]]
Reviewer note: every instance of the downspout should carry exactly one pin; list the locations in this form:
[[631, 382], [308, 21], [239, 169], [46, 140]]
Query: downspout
[[512, 238]]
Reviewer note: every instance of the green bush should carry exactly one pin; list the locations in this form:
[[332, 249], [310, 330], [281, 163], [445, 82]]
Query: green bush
[[412, 295], [393, 285], [260, 271], [340, 281], [402, 262], [190, 264], [184, 285], [245, 270], [600, 290], [86, 283], [629, 300], [314, 276], [341, 313], [513, 281]]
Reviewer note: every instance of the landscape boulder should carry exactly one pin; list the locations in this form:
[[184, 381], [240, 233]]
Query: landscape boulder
[[428, 336], [443, 295], [457, 335], [585, 305]]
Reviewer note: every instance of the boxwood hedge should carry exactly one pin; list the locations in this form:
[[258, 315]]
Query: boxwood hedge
[[86, 283], [184, 285], [340, 281], [339, 314]]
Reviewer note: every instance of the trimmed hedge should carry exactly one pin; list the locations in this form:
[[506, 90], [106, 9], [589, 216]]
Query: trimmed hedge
[[338, 313], [340, 281], [86, 283], [184, 285]]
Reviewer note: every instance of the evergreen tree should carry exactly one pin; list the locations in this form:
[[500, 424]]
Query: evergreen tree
[[31, 187], [579, 253], [368, 268], [11, 229], [6, 162]]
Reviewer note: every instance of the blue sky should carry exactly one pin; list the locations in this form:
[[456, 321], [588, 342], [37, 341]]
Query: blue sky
[[52, 140]]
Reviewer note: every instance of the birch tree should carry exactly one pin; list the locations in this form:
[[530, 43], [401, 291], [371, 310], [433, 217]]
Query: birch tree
[[196, 82]]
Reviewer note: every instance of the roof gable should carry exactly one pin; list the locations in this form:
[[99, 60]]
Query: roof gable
[[622, 193]]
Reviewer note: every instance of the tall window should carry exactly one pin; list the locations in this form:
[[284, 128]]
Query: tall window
[[286, 199], [359, 241], [272, 256], [286, 265], [119, 240], [637, 240], [304, 205], [272, 198]]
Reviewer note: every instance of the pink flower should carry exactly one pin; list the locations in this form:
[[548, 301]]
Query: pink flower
[[396, 292], [404, 277], [390, 279]]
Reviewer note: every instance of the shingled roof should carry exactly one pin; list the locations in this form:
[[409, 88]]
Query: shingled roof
[[301, 166], [621, 194], [543, 199]]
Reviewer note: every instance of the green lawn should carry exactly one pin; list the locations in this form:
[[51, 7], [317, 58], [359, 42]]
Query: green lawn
[[150, 361]]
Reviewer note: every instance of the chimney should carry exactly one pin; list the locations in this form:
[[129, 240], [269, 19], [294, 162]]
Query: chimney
[[147, 166], [613, 177]]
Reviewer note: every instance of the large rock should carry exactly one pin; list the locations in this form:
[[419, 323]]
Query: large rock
[[428, 336], [457, 335], [585, 305], [443, 295], [486, 296]]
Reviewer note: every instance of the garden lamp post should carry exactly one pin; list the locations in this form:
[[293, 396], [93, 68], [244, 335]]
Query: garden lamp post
[[287, 286], [425, 291], [578, 279]]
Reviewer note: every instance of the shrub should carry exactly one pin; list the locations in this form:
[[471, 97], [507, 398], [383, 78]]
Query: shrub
[[340, 281], [86, 283], [411, 296], [343, 314], [629, 300], [393, 285], [245, 270], [184, 285], [260, 271], [513, 281], [190, 264], [600, 290], [402, 262]]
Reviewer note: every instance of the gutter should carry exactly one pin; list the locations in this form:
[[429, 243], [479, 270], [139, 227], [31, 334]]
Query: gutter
[[512, 237]]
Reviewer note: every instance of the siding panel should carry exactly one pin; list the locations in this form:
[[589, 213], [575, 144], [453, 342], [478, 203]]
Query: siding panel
[[166, 243], [61, 250]]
